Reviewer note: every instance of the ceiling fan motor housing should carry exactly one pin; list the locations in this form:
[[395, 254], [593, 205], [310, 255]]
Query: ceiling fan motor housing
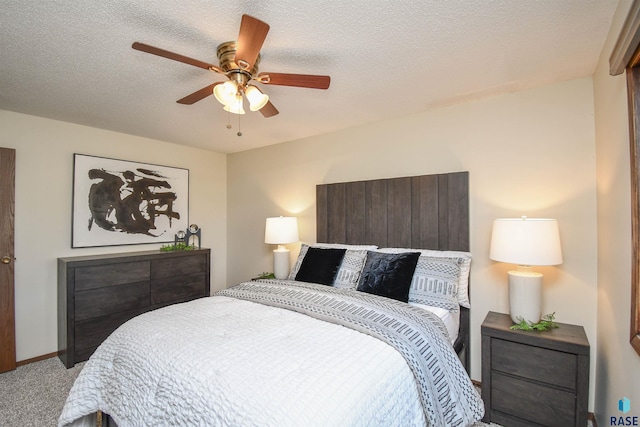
[[227, 59]]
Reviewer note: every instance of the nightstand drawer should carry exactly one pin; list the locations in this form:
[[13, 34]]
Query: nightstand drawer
[[536, 363], [530, 401]]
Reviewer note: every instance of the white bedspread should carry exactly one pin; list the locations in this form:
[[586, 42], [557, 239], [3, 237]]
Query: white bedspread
[[285, 371]]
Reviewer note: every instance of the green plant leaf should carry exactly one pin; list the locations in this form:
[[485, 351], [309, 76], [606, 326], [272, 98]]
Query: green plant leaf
[[177, 247], [547, 322], [266, 275]]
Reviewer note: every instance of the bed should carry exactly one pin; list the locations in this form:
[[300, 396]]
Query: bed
[[338, 343]]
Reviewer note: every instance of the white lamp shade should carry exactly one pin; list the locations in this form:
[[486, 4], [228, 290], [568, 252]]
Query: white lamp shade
[[226, 93], [235, 107], [256, 98], [526, 241], [281, 230]]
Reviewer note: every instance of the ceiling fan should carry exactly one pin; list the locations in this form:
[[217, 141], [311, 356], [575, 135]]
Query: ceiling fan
[[238, 61]]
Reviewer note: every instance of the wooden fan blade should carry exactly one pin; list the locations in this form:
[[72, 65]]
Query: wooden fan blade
[[198, 95], [269, 110], [298, 80], [175, 56], [250, 40]]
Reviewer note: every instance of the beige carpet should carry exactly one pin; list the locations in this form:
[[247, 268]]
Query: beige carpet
[[33, 395]]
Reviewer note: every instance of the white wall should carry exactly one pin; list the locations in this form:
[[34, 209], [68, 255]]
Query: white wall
[[44, 170], [531, 152], [618, 365]]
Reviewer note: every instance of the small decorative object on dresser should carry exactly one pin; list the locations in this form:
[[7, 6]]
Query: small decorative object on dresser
[[183, 238], [98, 293], [534, 378], [192, 233], [179, 238]]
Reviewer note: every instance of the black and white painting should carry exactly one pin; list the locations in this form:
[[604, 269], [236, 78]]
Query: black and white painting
[[118, 202]]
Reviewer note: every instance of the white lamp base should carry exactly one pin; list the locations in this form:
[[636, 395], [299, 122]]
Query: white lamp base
[[281, 262], [525, 295]]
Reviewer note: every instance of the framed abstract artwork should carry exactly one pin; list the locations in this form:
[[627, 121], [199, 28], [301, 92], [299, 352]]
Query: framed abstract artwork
[[119, 202]]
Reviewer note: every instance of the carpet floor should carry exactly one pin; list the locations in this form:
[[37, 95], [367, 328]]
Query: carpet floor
[[33, 395]]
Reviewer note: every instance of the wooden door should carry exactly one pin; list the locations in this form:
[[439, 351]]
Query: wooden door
[[7, 308]]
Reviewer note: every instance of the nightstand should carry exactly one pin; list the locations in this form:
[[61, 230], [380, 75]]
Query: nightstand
[[534, 378]]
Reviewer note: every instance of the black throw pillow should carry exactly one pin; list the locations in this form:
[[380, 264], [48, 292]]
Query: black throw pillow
[[320, 265], [388, 275]]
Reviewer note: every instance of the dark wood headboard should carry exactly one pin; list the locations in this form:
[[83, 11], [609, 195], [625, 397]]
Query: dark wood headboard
[[420, 212]]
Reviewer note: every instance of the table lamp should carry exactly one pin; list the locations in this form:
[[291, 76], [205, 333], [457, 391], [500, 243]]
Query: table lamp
[[280, 231], [526, 242]]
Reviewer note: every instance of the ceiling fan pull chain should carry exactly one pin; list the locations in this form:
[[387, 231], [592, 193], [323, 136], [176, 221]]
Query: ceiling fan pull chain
[[239, 133]]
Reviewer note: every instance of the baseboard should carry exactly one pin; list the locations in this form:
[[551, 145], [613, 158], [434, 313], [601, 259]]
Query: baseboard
[[37, 359], [590, 416]]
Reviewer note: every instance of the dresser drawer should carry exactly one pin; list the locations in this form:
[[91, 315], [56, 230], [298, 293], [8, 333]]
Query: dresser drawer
[[178, 288], [529, 401], [89, 334], [178, 266], [111, 274], [109, 300], [536, 363]]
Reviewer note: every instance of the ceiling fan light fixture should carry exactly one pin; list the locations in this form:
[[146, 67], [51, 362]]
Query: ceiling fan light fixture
[[226, 93], [256, 98], [236, 106]]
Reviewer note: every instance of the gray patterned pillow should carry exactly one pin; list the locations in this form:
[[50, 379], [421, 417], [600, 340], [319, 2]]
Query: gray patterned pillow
[[463, 259], [435, 283], [296, 267], [350, 268]]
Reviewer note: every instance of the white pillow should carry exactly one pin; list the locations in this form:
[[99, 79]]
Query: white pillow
[[349, 272], [463, 259]]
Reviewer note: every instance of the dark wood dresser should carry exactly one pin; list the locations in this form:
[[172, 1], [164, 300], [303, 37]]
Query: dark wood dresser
[[98, 293], [534, 378]]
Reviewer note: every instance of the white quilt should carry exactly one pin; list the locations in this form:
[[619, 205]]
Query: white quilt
[[285, 371]]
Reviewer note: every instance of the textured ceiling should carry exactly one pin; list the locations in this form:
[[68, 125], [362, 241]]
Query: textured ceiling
[[72, 60]]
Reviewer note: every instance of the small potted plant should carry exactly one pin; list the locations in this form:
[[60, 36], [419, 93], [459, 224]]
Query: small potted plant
[[545, 324]]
